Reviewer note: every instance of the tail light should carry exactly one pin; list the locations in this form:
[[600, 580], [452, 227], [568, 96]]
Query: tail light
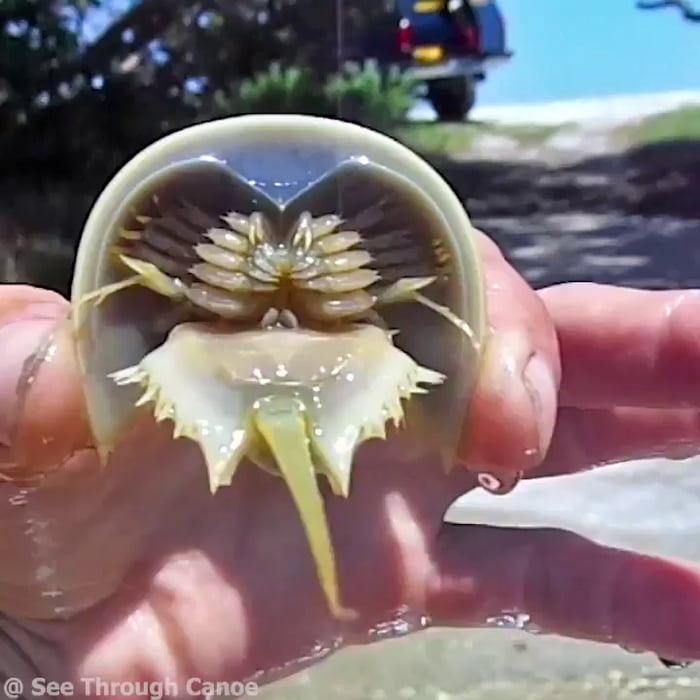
[[405, 36], [471, 39]]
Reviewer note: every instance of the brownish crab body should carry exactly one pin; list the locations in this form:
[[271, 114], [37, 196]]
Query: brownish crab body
[[282, 330]]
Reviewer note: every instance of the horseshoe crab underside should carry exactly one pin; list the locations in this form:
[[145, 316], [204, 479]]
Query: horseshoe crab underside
[[281, 334]]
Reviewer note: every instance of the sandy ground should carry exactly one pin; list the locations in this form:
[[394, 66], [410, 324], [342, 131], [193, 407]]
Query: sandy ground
[[600, 111]]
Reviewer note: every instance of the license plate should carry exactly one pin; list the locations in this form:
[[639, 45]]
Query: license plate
[[428, 54], [425, 6]]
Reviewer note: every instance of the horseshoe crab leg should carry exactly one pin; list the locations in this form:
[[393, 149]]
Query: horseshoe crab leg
[[147, 275], [406, 290]]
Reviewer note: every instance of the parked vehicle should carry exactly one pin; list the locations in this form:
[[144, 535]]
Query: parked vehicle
[[450, 45]]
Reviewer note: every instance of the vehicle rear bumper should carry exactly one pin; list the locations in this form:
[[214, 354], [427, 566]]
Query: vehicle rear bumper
[[453, 67]]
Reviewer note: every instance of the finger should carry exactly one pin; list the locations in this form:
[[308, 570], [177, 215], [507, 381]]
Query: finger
[[569, 586], [585, 438], [42, 416], [626, 347], [513, 408]]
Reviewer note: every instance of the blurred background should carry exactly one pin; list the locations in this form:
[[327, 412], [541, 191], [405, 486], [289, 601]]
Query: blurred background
[[570, 130], [532, 111]]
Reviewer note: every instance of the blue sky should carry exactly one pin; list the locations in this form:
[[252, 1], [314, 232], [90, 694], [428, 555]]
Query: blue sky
[[567, 49]]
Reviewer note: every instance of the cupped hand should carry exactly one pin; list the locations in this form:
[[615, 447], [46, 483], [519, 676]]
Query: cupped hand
[[133, 571]]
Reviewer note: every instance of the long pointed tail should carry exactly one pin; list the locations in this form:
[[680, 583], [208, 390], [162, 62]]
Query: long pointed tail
[[281, 423]]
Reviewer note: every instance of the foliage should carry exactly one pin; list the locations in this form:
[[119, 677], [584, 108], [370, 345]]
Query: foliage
[[360, 93], [190, 50], [85, 84], [278, 91], [36, 38], [376, 98], [456, 140], [682, 124]]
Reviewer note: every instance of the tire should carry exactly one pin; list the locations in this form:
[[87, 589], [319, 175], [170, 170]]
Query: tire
[[452, 98]]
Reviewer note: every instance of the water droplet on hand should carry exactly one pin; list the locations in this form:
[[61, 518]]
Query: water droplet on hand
[[514, 621], [674, 665], [403, 622], [19, 498], [631, 649], [499, 485]]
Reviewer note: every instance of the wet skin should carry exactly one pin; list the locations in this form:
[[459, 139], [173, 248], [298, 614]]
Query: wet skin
[[156, 578]]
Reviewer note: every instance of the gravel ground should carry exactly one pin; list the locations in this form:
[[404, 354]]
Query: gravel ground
[[487, 665]]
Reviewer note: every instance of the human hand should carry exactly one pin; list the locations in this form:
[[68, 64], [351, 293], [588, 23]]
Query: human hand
[[135, 572]]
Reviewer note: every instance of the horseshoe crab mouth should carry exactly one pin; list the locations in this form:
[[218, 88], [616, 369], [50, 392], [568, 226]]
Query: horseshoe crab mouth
[[293, 401]]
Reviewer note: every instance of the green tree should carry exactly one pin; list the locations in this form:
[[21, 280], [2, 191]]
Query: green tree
[[85, 84]]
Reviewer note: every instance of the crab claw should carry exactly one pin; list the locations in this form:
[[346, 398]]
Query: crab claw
[[296, 402]]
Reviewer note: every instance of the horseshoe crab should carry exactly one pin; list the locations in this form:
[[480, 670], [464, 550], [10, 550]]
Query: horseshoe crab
[[282, 289]]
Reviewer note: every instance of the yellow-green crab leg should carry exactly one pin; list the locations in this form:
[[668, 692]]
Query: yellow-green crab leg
[[406, 290], [147, 275]]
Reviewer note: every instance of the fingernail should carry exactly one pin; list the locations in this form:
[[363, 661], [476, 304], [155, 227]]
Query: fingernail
[[20, 339], [42, 415], [542, 388]]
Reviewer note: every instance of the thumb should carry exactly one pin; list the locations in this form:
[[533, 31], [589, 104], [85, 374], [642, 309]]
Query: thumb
[[42, 411]]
